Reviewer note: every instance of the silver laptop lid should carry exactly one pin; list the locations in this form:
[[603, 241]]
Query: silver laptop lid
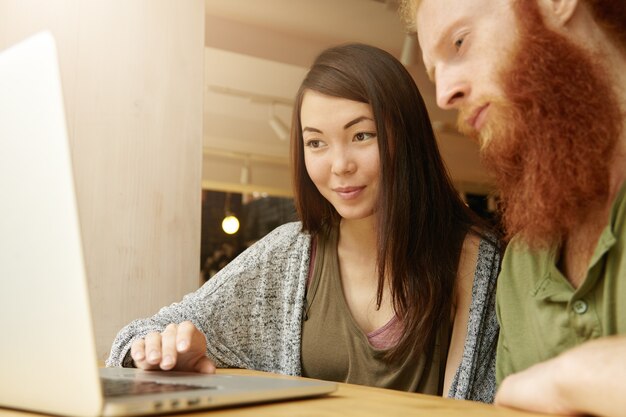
[[47, 353]]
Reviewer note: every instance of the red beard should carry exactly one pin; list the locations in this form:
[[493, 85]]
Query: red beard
[[550, 141]]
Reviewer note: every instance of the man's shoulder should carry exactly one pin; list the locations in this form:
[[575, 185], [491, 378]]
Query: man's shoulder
[[522, 268], [618, 213], [522, 255]]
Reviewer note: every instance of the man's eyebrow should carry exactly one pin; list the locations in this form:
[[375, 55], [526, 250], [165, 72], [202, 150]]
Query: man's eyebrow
[[357, 120]]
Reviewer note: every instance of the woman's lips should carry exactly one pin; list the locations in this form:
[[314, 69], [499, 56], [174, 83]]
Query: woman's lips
[[348, 193]]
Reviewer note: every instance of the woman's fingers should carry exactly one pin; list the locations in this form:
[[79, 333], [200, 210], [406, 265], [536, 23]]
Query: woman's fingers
[[153, 348], [180, 347], [205, 366], [185, 336], [138, 353], [191, 345], [168, 347]]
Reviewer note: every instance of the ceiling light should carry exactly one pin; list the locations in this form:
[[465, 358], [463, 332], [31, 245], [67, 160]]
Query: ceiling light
[[244, 177], [410, 50], [278, 126], [230, 224]]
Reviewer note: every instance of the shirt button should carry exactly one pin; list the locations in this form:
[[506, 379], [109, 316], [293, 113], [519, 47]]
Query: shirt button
[[580, 307]]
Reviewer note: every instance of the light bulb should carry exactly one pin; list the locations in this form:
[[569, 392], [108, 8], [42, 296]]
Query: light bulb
[[230, 225]]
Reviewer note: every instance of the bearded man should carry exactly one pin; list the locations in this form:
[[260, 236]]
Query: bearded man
[[541, 85]]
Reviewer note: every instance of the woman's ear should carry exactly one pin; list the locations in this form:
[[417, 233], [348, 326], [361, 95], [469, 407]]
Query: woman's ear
[[557, 13]]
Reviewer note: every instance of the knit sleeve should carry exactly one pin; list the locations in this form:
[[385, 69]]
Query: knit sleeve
[[475, 377], [250, 312]]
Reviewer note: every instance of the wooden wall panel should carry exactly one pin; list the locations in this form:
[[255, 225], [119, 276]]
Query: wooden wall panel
[[133, 80]]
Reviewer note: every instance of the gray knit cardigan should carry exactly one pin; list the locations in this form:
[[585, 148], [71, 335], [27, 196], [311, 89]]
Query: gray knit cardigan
[[251, 314]]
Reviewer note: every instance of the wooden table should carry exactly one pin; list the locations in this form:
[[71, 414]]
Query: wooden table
[[362, 401], [351, 400]]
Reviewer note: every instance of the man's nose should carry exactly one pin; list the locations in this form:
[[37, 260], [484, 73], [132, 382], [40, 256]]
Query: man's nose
[[451, 91]]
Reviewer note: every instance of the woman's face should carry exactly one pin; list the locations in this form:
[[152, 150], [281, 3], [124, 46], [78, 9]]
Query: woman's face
[[341, 152]]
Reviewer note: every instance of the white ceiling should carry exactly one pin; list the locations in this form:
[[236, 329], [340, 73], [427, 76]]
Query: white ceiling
[[258, 51]]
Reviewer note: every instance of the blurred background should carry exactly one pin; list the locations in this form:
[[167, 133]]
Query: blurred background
[[256, 55], [178, 115]]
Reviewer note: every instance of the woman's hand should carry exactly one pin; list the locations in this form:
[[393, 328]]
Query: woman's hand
[[180, 347]]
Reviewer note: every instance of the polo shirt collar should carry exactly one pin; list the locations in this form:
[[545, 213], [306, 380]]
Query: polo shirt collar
[[553, 285]]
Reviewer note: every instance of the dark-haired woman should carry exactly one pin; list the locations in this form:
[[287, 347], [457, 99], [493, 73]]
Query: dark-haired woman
[[388, 279]]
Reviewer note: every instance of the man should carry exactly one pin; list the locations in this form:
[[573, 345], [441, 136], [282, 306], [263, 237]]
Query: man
[[541, 85]]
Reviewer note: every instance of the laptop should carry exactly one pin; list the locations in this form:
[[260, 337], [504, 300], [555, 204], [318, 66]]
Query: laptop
[[48, 360]]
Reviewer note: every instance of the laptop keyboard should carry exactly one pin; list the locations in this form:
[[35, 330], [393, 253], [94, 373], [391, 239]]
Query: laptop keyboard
[[122, 387]]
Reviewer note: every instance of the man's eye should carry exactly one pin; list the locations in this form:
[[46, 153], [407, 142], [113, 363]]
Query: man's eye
[[458, 43]]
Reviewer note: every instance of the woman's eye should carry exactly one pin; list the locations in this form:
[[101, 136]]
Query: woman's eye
[[313, 143], [361, 136]]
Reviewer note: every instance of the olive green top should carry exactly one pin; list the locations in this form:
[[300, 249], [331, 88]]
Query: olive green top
[[541, 314], [335, 348]]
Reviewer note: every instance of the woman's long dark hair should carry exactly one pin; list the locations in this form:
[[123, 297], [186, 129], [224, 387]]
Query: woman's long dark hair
[[422, 221]]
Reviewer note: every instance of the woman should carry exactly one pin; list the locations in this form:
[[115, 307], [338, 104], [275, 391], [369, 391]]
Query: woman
[[388, 280]]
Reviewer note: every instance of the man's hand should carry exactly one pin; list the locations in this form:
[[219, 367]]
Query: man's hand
[[180, 347], [581, 381], [534, 389]]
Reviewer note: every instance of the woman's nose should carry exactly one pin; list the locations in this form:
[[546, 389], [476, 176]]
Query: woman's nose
[[342, 163]]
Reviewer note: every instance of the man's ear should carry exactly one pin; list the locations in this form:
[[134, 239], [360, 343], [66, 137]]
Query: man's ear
[[557, 13]]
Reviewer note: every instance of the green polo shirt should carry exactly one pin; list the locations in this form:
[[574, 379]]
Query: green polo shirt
[[542, 315]]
